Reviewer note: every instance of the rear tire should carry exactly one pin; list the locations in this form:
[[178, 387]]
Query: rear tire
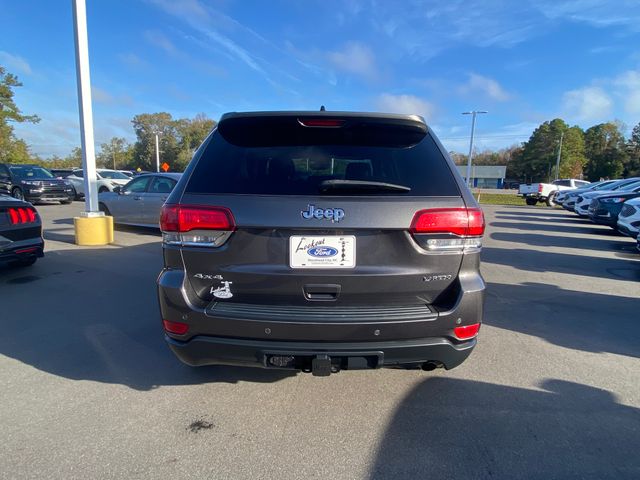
[[551, 200], [17, 193], [65, 202], [531, 201], [103, 208]]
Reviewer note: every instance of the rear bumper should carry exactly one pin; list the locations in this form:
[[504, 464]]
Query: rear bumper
[[206, 350], [22, 250], [217, 337]]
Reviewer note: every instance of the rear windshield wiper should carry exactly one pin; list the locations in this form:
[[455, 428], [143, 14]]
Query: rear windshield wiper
[[361, 185]]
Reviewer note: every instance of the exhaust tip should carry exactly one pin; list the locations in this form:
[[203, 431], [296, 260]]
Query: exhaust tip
[[430, 366]]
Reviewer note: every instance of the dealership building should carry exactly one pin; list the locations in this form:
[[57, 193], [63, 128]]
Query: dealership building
[[485, 176]]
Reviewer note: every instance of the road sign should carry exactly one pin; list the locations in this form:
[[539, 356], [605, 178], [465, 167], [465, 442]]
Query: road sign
[[165, 166]]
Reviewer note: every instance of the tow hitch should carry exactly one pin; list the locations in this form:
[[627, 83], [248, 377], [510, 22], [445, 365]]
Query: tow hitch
[[321, 366]]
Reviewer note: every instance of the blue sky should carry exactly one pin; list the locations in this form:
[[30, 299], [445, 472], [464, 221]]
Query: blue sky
[[524, 63]]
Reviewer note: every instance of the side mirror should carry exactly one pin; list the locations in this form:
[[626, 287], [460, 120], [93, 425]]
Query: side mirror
[[117, 189]]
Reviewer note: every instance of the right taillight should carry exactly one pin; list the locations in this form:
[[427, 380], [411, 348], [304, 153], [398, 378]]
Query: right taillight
[[449, 229], [22, 215], [177, 328], [194, 225], [465, 332]]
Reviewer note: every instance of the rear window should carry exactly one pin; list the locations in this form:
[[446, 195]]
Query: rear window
[[412, 161]]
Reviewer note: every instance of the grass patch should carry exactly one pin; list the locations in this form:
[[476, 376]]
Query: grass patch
[[499, 199]]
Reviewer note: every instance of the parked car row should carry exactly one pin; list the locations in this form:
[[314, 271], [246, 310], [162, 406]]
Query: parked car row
[[615, 203]]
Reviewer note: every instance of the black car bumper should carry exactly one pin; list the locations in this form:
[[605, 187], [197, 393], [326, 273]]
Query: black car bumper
[[21, 251], [206, 350], [35, 195], [610, 221]]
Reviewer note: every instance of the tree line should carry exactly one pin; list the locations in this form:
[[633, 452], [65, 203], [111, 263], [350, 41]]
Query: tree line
[[599, 152], [177, 138]]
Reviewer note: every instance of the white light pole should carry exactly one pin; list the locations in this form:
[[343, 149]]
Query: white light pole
[[84, 103], [473, 114], [157, 154], [558, 159]]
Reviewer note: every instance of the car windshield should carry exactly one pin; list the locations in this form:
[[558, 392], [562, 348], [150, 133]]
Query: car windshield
[[630, 186], [112, 174], [27, 172]]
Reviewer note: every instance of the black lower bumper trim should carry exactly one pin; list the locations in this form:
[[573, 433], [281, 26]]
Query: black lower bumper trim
[[208, 350]]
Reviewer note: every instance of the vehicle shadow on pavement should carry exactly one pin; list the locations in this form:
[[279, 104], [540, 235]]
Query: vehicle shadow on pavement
[[92, 314], [549, 219], [570, 229], [588, 243], [591, 322], [545, 261], [451, 428], [538, 212]]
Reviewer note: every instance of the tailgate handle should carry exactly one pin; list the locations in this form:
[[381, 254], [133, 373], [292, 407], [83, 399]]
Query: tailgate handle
[[321, 292]]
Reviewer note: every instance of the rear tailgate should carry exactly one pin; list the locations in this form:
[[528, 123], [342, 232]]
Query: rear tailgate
[[299, 238]]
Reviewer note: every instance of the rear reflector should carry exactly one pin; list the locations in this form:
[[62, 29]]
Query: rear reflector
[[466, 331], [184, 218], [27, 250], [177, 328], [321, 122], [22, 215], [464, 222]]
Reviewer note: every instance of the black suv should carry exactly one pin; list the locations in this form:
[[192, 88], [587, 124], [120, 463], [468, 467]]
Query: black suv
[[321, 241], [33, 184]]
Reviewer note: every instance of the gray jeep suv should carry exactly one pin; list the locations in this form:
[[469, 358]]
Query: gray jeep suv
[[321, 241]]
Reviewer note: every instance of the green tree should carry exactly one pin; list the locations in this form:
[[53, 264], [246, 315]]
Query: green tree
[[191, 133], [11, 149], [632, 164], [606, 151], [117, 153], [146, 126], [537, 161]]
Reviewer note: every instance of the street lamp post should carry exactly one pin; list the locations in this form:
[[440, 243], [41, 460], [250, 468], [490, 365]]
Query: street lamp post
[[473, 114], [559, 154], [157, 153]]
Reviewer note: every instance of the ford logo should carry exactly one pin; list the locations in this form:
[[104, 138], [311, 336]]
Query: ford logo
[[322, 252]]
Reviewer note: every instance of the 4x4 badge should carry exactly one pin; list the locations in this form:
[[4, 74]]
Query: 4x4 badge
[[333, 214]]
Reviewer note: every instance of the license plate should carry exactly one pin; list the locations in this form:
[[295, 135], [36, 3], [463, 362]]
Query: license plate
[[322, 251]]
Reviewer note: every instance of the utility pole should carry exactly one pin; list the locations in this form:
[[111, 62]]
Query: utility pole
[[559, 153], [473, 114], [113, 152], [157, 154]]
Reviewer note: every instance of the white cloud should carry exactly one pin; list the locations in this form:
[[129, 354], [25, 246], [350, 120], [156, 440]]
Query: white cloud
[[102, 96], [485, 85], [15, 63], [408, 104], [355, 58], [628, 89], [159, 40], [587, 104]]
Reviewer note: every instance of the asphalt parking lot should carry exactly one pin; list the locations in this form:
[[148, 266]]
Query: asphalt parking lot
[[90, 390]]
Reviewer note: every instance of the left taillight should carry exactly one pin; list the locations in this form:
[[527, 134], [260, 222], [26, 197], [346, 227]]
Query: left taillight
[[449, 229], [22, 215], [193, 225]]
